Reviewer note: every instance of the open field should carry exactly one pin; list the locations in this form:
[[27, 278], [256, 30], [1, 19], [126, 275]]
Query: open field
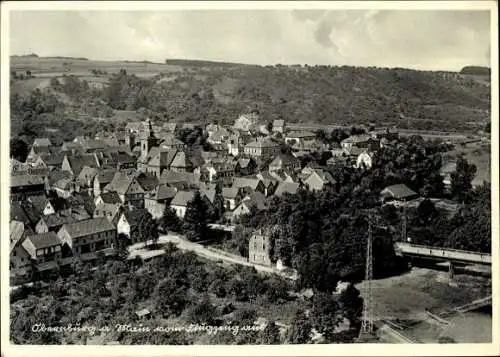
[[47, 66], [406, 298]]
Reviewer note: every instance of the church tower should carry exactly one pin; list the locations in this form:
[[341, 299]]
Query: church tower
[[146, 138]]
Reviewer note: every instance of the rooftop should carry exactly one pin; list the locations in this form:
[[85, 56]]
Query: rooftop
[[26, 180], [90, 226], [182, 198], [44, 240]]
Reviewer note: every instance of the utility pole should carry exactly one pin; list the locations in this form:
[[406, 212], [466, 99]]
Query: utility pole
[[404, 233], [367, 333]]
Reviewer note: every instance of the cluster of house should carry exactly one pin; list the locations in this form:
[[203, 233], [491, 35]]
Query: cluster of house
[[76, 199]]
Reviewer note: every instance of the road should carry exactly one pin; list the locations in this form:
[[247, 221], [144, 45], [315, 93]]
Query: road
[[205, 252], [387, 334]]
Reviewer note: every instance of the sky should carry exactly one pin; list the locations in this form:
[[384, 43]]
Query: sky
[[421, 39]]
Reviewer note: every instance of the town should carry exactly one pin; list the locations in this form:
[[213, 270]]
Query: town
[[256, 195]]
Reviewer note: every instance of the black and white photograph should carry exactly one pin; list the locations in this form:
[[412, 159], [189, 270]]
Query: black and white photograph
[[255, 175]]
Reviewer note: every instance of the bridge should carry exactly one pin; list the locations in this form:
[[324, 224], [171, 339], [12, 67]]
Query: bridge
[[442, 254]]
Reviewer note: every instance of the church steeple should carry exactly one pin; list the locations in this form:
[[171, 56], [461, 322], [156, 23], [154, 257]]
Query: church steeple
[[147, 138]]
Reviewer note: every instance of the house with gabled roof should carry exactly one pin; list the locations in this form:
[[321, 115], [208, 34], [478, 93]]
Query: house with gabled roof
[[186, 179], [118, 160], [64, 188], [54, 222], [127, 187], [85, 180], [182, 162], [319, 179], [156, 201], [399, 192], [22, 186], [299, 138], [284, 162], [180, 201], [108, 197], [255, 200], [148, 181], [93, 145], [281, 175], [262, 149], [102, 179], [157, 160], [88, 236], [218, 170], [232, 196], [70, 147], [20, 259], [128, 223], [111, 211], [286, 187], [362, 141], [249, 184], [43, 247], [41, 204], [37, 151], [170, 142], [50, 161], [245, 166], [75, 163], [17, 213]]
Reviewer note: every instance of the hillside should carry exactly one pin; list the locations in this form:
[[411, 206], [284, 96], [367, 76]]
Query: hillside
[[204, 91]]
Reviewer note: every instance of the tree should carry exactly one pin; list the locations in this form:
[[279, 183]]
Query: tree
[[170, 221], [195, 219], [321, 135], [218, 206], [427, 211], [270, 335], [147, 229], [277, 289], [300, 330], [269, 126], [170, 297], [326, 314], [351, 304], [121, 243], [18, 149], [202, 312], [461, 179]]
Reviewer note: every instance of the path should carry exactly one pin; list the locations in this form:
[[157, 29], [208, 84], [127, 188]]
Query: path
[[205, 252]]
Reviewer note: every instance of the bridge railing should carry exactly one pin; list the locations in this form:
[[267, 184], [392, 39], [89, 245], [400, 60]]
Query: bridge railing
[[439, 252]]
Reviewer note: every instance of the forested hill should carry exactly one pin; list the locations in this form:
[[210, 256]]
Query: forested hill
[[334, 95], [476, 70]]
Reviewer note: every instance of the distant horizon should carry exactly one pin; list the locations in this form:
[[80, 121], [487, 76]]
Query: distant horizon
[[239, 63]]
